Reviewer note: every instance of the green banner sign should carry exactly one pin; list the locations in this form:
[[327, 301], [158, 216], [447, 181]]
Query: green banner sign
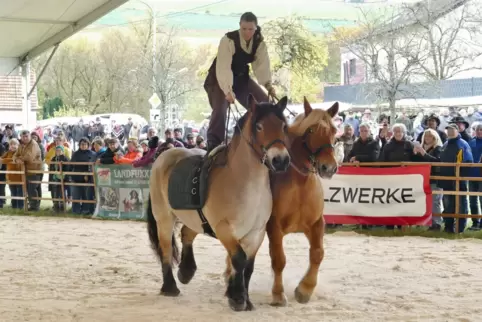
[[122, 191]]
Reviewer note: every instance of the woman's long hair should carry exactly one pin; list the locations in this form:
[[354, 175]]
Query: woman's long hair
[[438, 141]]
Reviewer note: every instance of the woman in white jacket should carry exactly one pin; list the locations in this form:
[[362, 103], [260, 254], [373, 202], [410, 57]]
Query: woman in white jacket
[[135, 132]]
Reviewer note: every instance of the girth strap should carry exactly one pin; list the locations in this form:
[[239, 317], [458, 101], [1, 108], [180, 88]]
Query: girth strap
[[196, 182], [206, 226]]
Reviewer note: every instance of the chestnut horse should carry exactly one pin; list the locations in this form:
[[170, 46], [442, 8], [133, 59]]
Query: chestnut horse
[[298, 197], [237, 207]]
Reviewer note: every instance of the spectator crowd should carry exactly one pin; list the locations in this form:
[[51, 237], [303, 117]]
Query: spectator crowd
[[449, 136], [39, 149]]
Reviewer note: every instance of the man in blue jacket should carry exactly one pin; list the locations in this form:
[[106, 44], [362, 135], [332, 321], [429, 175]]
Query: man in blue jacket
[[455, 150], [476, 186]]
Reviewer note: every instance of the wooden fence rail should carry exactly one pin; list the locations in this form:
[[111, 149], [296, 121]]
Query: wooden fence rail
[[65, 183]]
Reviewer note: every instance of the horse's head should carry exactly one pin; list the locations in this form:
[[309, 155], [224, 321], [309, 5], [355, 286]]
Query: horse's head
[[317, 137], [268, 132]]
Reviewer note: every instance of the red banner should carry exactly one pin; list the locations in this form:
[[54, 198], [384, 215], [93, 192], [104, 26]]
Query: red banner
[[379, 196]]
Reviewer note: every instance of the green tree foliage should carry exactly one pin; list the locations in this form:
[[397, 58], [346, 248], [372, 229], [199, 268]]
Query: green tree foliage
[[50, 107], [297, 55]]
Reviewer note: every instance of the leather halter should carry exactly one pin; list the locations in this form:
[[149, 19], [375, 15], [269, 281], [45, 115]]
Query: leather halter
[[263, 157], [312, 154]]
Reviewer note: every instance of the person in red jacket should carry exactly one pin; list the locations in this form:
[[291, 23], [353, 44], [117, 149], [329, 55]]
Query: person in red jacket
[[132, 154]]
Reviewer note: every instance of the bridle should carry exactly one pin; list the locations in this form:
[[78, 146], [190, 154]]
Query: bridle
[[263, 156], [313, 154]]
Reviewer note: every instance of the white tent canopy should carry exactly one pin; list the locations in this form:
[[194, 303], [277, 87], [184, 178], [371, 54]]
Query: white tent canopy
[[29, 28], [298, 108]]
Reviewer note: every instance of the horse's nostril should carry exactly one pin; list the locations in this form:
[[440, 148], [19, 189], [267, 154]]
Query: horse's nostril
[[286, 162], [277, 162]]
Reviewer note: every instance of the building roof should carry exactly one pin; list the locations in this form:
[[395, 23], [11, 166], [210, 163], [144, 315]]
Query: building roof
[[28, 28], [437, 9], [12, 93]]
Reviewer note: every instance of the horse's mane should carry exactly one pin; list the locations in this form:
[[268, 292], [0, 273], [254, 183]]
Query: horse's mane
[[262, 110], [316, 116]]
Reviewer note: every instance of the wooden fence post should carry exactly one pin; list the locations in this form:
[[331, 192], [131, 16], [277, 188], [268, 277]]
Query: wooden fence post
[[94, 181], [62, 187], [23, 168], [457, 197]]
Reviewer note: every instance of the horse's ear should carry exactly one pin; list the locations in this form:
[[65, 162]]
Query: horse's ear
[[283, 103], [307, 106], [333, 110], [252, 103]]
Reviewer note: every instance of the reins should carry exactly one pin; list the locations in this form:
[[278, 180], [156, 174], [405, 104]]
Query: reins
[[274, 99]]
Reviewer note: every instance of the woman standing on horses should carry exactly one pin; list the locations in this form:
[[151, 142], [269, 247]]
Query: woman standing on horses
[[228, 78]]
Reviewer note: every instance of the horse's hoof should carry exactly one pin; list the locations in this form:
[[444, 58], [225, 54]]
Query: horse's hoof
[[300, 297], [170, 293], [237, 305], [279, 300], [185, 276], [249, 306]]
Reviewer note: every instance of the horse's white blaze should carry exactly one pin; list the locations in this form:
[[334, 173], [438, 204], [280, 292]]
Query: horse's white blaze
[[277, 152]]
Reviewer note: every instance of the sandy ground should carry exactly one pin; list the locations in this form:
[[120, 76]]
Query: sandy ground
[[87, 270]]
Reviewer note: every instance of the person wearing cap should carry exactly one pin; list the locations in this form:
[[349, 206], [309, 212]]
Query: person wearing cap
[[455, 150], [190, 143], [151, 132], [463, 127], [228, 77], [476, 186], [59, 140], [433, 122], [55, 178], [144, 147], [178, 136]]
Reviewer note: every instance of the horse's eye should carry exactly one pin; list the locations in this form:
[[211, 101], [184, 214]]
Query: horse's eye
[[311, 130], [259, 127]]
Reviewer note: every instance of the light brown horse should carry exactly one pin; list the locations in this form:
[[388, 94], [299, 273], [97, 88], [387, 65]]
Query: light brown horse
[[298, 197], [237, 207]]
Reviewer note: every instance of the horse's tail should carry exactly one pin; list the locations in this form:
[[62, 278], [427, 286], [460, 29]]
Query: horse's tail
[[154, 237]]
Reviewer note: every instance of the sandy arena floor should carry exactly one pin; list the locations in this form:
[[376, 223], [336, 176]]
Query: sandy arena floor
[[88, 270]]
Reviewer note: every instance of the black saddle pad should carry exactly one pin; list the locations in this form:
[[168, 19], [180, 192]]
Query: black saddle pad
[[187, 187], [188, 182]]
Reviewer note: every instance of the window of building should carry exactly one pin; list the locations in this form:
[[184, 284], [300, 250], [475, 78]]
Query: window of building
[[352, 67]]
